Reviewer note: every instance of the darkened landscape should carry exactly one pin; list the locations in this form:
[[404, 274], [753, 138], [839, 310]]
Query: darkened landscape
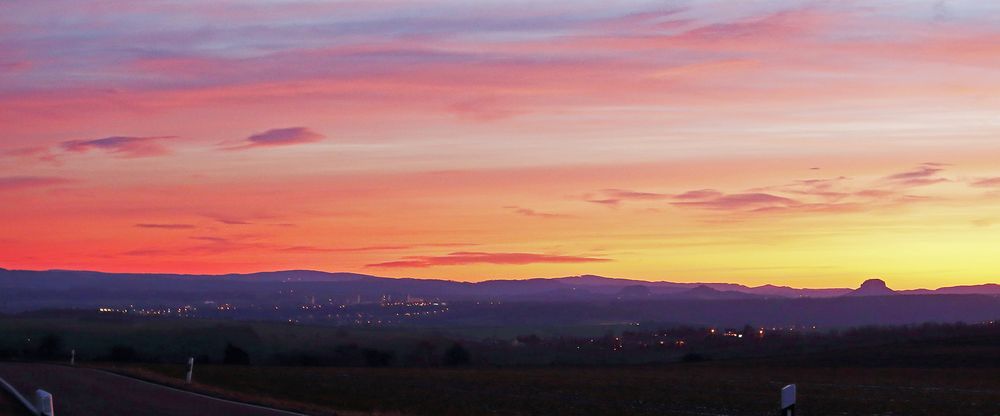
[[572, 346], [914, 370]]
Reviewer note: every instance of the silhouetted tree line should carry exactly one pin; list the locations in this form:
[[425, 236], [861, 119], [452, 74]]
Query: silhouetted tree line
[[235, 355], [351, 355], [660, 345]]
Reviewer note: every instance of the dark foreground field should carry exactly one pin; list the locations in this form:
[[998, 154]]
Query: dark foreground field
[[10, 406], [681, 389], [914, 370]]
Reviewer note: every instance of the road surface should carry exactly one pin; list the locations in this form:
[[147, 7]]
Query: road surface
[[86, 392]]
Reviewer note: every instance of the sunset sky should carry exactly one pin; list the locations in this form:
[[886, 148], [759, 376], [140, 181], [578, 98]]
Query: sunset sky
[[811, 144]]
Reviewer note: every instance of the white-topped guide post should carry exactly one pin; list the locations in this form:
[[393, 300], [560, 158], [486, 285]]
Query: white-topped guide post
[[43, 403], [190, 369], [788, 400], [72, 357]]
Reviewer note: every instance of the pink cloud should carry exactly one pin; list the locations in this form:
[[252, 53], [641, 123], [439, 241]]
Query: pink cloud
[[13, 183], [212, 245], [640, 20], [925, 174], [528, 212], [464, 258], [125, 146], [826, 188], [166, 226], [314, 249], [280, 137], [819, 195], [205, 246], [987, 183], [364, 249], [613, 197], [611, 202], [233, 221], [739, 202], [41, 153], [699, 194], [770, 26], [875, 193], [483, 109], [15, 66]]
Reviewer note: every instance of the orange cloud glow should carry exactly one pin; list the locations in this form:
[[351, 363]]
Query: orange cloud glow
[[804, 144]]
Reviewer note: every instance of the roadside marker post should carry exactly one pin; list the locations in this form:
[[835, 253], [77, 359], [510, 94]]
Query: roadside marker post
[[72, 357], [43, 403], [788, 400], [190, 369]]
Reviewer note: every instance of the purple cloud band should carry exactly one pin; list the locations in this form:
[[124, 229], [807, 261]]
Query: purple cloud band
[[125, 146], [279, 137]]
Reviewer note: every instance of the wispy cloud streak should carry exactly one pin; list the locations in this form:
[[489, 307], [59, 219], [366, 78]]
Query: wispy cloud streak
[[124, 146], [12, 183], [279, 137], [465, 258]]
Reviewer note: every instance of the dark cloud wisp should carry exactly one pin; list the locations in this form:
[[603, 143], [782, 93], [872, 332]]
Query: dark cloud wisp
[[123, 146], [279, 137]]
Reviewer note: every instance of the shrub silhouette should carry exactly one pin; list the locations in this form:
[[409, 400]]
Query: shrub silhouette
[[377, 358], [123, 353], [235, 355], [693, 357], [456, 355], [529, 339], [422, 354], [50, 346]]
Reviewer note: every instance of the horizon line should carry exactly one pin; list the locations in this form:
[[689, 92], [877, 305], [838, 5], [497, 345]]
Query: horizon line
[[497, 279]]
